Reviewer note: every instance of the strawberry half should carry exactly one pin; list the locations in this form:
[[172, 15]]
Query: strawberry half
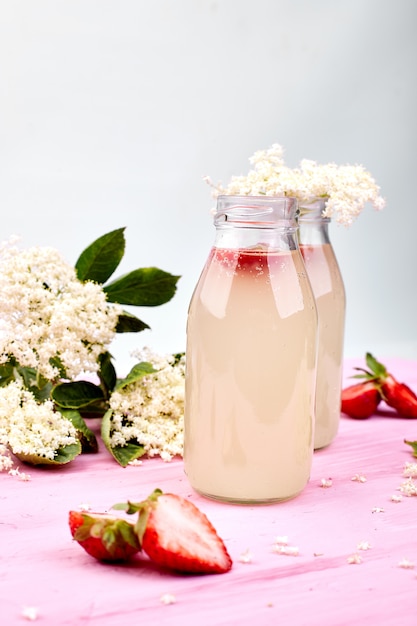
[[175, 534], [396, 394], [105, 537], [361, 400], [399, 396]]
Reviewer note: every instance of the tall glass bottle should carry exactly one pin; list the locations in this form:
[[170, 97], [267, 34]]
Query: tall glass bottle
[[327, 283], [251, 358]]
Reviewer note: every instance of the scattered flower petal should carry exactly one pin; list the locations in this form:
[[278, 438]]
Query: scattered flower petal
[[354, 559], [409, 487], [135, 462], [30, 613], [287, 550], [364, 545], [359, 478], [406, 564], [396, 498], [281, 541], [410, 470], [246, 557], [326, 482], [378, 509], [168, 598]]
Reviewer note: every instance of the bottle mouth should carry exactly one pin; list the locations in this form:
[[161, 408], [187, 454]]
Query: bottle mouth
[[256, 211]]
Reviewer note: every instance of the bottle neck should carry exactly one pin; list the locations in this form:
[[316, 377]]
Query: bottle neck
[[271, 239], [313, 232], [313, 225], [256, 223]]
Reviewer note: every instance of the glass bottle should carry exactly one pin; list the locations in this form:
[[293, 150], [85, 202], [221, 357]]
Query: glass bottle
[[251, 358], [327, 283]]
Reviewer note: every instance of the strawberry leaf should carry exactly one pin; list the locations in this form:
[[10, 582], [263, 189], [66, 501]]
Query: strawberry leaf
[[413, 444], [378, 369]]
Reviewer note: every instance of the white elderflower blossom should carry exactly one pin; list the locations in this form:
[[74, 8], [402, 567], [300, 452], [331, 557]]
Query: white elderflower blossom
[[151, 410], [47, 313], [410, 470], [346, 189], [30, 429], [409, 487]]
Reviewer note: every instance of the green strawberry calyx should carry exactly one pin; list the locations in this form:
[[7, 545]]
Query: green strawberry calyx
[[143, 509], [113, 532], [376, 372]]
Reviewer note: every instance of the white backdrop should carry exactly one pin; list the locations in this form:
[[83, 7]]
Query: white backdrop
[[112, 111]]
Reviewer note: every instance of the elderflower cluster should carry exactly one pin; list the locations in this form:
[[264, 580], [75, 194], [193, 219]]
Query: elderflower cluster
[[346, 188], [30, 429], [47, 313], [151, 410]]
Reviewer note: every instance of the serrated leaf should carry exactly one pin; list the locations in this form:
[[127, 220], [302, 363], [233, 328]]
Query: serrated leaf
[[122, 454], [88, 439], [137, 372], [63, 455], [76, 395], [148, 286], [128, 323], [102, 257]]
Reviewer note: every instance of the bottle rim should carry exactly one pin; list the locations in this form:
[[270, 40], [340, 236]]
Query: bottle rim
[[256, 211]]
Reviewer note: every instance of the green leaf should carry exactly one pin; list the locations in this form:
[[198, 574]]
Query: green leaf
[[76, 395], [88, 439], [56, 362], [63, 455], [137, 372], [148, 286], [6, 374], [101, 258], [107, 372], [128, 323], [413, 444], [377, 368], [122, 454]]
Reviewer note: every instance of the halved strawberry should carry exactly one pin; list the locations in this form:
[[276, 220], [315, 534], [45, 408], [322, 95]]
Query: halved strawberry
[[175, 534], [105, 537], [396, 394], [361, 400]]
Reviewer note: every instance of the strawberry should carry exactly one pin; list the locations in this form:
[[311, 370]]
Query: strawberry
[[175, 534], [361, 400], [396, 394], [105, 537]]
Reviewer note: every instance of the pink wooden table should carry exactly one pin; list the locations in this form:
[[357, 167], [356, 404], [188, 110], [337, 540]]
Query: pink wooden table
[[42, 568]]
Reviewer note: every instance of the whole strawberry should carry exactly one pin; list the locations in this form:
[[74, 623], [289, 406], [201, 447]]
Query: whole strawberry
[[175, 534], [361, 400], [396, 394], [104, 537]]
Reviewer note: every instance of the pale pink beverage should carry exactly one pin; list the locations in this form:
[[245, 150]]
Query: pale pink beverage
[[250, 376], [328, 288]]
